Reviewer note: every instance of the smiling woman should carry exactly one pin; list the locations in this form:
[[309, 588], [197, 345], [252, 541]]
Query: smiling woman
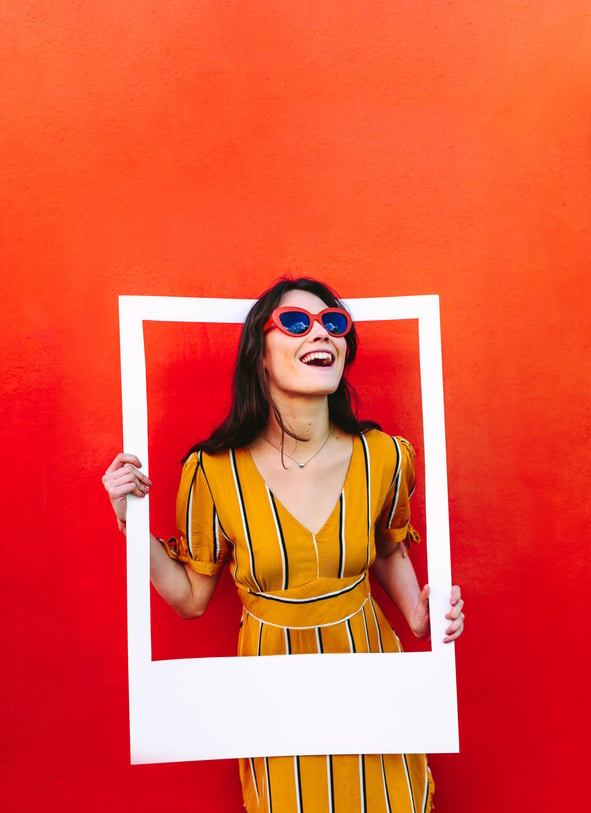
[[301, 499]]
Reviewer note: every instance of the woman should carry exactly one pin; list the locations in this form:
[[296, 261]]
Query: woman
[[302, 499]]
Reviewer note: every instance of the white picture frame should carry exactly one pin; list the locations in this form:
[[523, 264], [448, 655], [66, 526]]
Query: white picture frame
[[217, 708]]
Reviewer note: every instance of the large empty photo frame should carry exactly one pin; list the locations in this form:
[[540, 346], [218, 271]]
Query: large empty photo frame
[[215, 708]]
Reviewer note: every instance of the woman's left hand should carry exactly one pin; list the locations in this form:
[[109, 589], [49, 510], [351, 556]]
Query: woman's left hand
[[420, 623], [455, 615]]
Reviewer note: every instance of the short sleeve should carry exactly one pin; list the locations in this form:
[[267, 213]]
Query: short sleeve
[[201, 542], [394, 520]]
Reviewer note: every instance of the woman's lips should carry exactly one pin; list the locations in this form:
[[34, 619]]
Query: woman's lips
[[318, 358]]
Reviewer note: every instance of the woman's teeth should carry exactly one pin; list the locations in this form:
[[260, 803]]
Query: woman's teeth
[[318, 359]]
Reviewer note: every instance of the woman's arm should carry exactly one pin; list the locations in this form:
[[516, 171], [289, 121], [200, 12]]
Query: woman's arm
[[395, 573], [186, 591]]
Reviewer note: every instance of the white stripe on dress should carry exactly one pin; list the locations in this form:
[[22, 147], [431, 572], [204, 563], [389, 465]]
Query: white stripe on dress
[[312, 599], [396, 479], [410, 793], [350, 636], [189, 517], [386, 794], [330, 784], [268, 783], [319, 641], [366, 630], [298, 784], [375, 618], [254, 778], [362, 784], [426, 796], [216, 536], [368, 491], [342, 544], [312, 626]]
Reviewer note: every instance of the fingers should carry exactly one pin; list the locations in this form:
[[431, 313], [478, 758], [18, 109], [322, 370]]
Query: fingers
[[122, 489], [124, 477], [456, 594], [455, 610], [456, 604], [455, 615], [454, 630], [121, 459]]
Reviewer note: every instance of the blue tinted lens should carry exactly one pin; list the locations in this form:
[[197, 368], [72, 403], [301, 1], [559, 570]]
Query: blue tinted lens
[[295, 321], [335, 323]]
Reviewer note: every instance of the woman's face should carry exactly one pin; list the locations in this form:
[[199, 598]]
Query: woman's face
[[309, 365]]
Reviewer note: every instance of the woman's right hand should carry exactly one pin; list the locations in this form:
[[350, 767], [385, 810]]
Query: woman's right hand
[[124, 477]]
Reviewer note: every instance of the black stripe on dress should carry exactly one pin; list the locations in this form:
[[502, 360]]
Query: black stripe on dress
[[254, 777], [362, 782], [375, 618], [268, 783], [385, 781], [368, 494], [426, 796], [396, 479], [411, 794], [314, 598], [342, 549], [330, 776], [245, 525], [202, 467], [350, 634], [411, 491], [366, 628], [398, 465], [282, 544], [298, 783], [188, 515]]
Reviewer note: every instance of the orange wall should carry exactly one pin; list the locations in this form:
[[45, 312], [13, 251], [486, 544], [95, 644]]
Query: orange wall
[[202, 149]]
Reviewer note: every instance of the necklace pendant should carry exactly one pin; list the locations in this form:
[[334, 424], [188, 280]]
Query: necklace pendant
[[305, 463]]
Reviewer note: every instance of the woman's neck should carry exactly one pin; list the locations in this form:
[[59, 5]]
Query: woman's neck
[[306, 421]]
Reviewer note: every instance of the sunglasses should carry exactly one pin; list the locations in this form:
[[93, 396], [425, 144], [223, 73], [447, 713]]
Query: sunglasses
[[298, 322]]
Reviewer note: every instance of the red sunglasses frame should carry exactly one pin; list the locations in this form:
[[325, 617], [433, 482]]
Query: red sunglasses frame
[[275, 321]]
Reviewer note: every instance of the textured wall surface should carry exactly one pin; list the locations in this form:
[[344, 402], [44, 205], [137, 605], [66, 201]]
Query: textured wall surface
[[203, 149]]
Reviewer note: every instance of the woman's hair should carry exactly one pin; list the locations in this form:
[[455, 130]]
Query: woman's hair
[[251, 400]]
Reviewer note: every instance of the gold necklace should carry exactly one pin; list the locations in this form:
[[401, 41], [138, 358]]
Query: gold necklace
[[284, 453]]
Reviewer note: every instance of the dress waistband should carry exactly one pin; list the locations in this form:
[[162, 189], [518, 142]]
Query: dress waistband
[[323, 601]]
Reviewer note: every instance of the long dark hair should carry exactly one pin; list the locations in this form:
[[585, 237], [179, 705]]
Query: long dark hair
[[251, 400]]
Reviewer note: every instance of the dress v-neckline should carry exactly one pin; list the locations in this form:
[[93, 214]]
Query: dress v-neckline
[[289, 513]]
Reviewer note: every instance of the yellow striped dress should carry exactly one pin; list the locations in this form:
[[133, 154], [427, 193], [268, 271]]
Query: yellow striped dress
[[307, 593]]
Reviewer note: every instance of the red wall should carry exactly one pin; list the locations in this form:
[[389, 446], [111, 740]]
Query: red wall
[[202, 149]]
